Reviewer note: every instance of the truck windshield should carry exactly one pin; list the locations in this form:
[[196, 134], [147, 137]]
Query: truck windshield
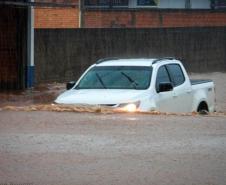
[[116, 77]]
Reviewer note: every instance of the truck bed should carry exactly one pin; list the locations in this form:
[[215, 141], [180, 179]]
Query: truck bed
[[201, 81]]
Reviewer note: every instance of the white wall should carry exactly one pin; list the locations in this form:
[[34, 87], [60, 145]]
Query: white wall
[[200, 4], [178, 4], [172, 4], [132, 3]]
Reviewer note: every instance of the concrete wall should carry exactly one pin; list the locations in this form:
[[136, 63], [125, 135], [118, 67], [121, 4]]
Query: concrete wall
[[63, 54]]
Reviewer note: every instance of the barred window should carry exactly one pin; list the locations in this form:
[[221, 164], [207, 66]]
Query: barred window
[[106, 2], [147, 2]]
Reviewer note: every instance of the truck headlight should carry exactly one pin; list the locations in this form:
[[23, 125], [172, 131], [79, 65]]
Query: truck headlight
[[130, 107]]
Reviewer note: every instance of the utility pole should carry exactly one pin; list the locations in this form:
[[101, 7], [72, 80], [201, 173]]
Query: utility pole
[[30, 47], [81, 19]]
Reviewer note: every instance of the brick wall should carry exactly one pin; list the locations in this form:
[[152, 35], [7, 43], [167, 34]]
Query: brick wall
[[153, 18], [56, 18], [130, 18]]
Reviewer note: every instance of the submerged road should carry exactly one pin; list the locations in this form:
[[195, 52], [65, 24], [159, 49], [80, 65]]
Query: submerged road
[[111, 149]]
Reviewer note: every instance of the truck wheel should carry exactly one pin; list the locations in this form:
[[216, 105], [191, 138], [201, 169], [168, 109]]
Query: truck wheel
[[203, 108]]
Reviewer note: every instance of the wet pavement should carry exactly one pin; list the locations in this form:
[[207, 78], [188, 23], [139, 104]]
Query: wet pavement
[[93, 148]]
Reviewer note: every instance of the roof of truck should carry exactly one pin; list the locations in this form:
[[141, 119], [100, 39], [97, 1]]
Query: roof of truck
[[130, 62]]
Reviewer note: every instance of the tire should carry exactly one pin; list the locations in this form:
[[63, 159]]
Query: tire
[[203, 108]]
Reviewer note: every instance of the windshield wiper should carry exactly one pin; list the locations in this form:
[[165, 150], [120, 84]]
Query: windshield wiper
[[100, 80], [134, 84]]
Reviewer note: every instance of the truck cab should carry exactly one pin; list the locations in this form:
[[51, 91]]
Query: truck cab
[[140, 85]]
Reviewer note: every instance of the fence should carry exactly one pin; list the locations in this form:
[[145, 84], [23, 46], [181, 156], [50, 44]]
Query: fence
[[63, 54]]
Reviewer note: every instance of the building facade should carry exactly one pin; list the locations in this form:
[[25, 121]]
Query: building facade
[[150, 14], [58, 14], [165, 4], [132, 14]]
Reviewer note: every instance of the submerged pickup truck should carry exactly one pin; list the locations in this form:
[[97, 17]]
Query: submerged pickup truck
[[141, 85]]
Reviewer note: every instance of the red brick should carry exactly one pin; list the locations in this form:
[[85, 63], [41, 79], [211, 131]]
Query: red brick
[[144, 19], [57, 18]]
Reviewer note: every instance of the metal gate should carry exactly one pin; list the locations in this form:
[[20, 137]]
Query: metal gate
[[12, 47]]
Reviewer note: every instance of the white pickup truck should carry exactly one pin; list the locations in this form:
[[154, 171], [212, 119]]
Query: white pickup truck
[[141, 85]]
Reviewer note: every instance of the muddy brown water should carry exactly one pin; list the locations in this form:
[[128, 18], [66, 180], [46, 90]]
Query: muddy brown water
[[51, 148], [41, 94], [42, 97]]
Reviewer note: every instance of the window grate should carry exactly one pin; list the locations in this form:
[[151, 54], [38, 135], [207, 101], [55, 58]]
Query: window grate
[[108, 3]]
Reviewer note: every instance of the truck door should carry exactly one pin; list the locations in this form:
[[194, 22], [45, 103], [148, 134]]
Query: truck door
[[182, 92], [164, 100]]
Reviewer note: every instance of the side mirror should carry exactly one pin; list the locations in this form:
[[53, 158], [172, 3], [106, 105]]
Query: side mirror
[[165, 87], [69, 85]]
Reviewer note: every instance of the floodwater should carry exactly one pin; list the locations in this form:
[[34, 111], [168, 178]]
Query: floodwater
[[42, 97], [54, 148], [43, 143], [41, 94]]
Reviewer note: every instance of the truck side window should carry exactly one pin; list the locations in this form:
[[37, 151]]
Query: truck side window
[[176, 74], [162, 76]]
